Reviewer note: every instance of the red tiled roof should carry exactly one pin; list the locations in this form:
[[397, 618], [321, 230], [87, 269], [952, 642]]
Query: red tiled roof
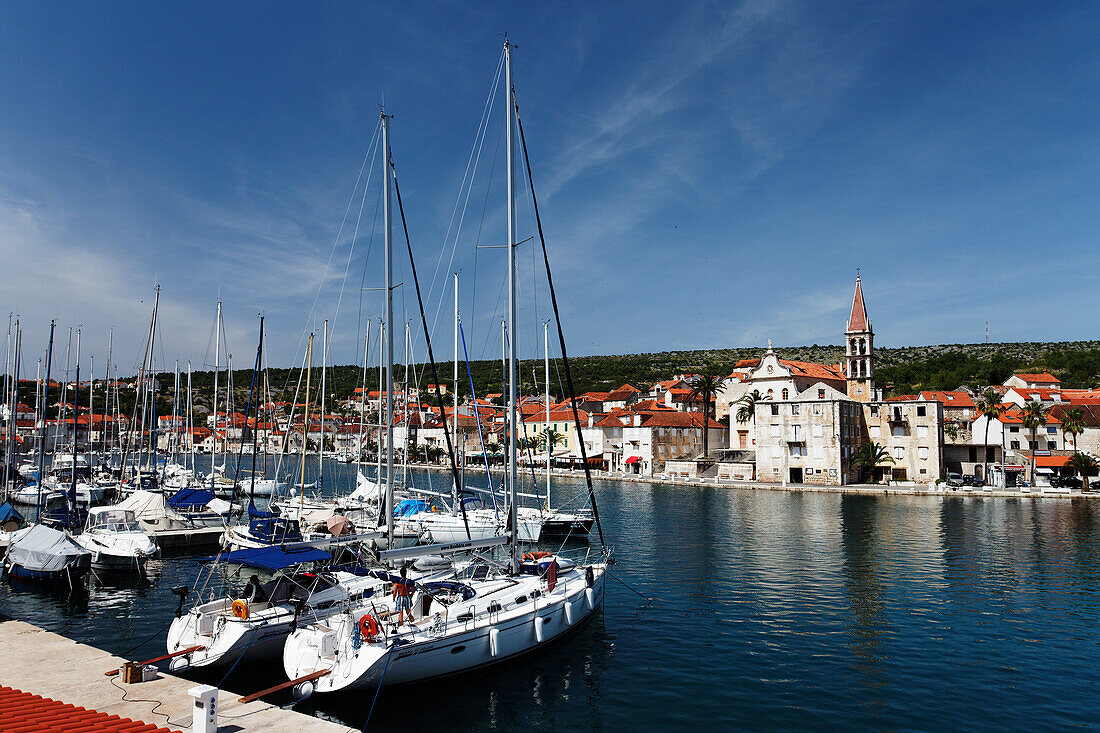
[[678, 420], [1041, 378], [814, 371], [902, 398], [1037, 393], [565, 415], [949, 399], [23, 711]]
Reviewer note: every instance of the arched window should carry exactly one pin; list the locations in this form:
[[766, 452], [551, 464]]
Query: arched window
[[786, 393], [770, 394]]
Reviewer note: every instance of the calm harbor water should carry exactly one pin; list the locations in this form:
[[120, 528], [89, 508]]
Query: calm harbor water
[[769, 610]]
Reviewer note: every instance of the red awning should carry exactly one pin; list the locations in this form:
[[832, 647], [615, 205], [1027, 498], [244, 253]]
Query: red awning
[[633, 459], [1051, 461]]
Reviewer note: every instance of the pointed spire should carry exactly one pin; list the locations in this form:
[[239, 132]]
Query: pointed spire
[[858, 321]]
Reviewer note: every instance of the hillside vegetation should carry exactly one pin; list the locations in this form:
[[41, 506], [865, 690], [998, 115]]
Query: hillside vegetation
[[901, 370]]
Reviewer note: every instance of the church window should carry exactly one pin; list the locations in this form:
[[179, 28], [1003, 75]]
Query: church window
[[786, 393], [794, 409], [770, 395], [821, 394], [921, 410], [775, 409]]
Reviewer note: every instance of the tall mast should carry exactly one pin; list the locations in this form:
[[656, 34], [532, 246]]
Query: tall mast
[[190, 419], [513, 396], [546, 428], [405, 406], [321, 449], [381, 386], [91, 407], [362, 407], [305, 422], [387, 207], [217, 366], [76, 411], [42, 416], [454, 384], [107, 391]]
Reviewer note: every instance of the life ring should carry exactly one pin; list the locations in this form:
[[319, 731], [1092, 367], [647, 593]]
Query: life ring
[[533, 556], [368, 627], [240, 609]]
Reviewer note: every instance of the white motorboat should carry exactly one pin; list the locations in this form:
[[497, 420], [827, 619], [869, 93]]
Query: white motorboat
[[115, 540]]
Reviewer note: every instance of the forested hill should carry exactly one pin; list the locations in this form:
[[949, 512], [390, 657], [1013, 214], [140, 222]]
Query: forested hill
[[902, 370]]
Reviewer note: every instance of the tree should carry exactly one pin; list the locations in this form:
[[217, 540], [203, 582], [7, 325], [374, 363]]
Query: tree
[[703, 387], [1073, 423], [747, 406], [1033, 416], [549, 436], [991, 408], [434, 453], [870, 456], [1084, 466]]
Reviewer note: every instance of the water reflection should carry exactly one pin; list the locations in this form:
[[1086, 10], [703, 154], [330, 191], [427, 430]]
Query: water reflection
[[864, 591]]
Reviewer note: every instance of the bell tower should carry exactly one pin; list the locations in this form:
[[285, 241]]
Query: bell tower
[[860, 350]]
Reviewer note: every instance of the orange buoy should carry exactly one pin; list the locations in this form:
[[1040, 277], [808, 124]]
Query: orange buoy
[[368, 627], [240, 609]]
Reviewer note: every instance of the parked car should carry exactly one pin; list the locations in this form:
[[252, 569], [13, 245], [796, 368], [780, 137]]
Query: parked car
[[1065, 482], [954, 480], [975, 481]]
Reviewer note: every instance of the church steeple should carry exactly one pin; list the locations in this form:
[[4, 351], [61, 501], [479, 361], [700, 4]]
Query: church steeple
[[860, 350]]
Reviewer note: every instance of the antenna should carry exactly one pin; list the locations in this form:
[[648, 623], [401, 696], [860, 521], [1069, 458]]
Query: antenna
[[987, 332]]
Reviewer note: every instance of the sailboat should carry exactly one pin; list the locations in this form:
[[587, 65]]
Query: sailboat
[[44, 553], [482, 614]]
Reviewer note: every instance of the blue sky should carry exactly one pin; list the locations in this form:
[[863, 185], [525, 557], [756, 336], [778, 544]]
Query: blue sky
[[709, 174]]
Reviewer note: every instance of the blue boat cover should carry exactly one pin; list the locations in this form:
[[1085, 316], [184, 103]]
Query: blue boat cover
[[191, 500], [275, 558], [275, 530], [409, 507], [8, 513], [254, 513]]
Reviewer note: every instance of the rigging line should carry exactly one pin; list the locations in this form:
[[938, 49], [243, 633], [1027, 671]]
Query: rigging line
[[351, 249], [366, 259], [468, 178], [561, 333], [336, 241], [428, 341], [481, 224]]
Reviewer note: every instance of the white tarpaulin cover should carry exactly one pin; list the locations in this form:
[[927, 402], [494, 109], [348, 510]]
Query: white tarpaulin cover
[[151, 507], [43, 549]]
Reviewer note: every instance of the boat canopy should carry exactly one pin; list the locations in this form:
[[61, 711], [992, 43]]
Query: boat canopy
[[275, 558], [275, 530], [191, 500], [409, 507], [9, 514], [43, 549]]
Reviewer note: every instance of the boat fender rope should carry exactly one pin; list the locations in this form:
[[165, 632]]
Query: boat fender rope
[[240, 609], [589, 577]]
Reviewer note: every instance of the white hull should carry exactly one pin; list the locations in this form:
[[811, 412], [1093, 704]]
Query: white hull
[[437, 646]]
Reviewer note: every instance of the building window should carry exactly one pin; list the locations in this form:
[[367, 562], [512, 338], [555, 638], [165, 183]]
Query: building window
[[786, 393], [794, 409], [775, 408], [1051, 445], [874, 410], [921, 410], [1033, 444], [817, 409], [1014, 429], [770, 394], [821, 394], [1014, 445], [922, 452], [899, 452], [1052, 431], [922, 431]]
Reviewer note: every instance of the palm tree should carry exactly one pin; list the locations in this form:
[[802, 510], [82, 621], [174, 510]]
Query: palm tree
[[704, 387], [551, 436], [433, 453], [1084, 466], [870, 456], [991, 409], [1073, 423], [747, 406], [1033, 416]]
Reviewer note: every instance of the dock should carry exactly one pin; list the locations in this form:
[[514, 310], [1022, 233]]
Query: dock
[[42, 663]]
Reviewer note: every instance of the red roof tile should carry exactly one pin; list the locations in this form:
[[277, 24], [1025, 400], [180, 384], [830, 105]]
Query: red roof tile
[[1040, 378], [858, 321]]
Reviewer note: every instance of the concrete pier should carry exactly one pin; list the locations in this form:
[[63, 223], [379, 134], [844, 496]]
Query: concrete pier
[[47, 664]]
